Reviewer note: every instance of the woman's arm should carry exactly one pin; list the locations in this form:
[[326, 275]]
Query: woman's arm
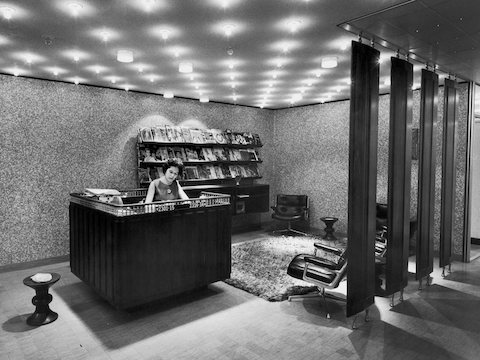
[[150, 192], [181, 193]]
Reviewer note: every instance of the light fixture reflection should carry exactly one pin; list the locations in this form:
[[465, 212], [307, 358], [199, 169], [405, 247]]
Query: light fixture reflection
[[125, 56], [329, 62], [185, 67], [7, 12]]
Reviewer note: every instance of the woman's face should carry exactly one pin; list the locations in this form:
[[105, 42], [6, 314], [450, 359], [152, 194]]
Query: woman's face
[[171, 174]]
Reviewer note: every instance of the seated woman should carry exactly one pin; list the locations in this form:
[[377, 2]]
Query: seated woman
[[167, 187]]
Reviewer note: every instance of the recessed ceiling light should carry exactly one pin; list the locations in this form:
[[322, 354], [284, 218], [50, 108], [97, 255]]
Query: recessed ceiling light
[[165, 33], [75, 8], [185, 67], [125, 56], [204, 99], [7, 12], [293, 25], [168, 95], [329, 62], [105, 35], [228, 29], [76, 81]]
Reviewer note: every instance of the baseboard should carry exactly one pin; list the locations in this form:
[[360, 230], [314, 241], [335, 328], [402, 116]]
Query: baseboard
[[34, 263]]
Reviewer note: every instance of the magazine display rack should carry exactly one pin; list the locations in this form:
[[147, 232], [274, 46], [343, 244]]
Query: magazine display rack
[[210, 156]]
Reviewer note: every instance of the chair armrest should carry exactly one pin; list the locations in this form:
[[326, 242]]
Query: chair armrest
[[323, 263], [328, 248]]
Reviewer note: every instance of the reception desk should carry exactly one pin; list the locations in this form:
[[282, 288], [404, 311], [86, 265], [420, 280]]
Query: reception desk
[[133, 254]]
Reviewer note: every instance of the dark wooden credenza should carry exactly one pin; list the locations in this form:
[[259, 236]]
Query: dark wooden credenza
[[133, 254]]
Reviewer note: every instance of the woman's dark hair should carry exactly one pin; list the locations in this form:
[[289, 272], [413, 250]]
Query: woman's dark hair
[[175, 162]]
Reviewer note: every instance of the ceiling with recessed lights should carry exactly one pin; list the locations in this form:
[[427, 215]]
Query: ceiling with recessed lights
[[262, 53]]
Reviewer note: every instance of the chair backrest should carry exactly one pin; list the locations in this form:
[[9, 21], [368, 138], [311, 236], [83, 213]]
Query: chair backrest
[[289, 205]]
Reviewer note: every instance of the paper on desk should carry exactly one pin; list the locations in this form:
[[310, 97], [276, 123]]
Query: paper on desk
[[98, 192]]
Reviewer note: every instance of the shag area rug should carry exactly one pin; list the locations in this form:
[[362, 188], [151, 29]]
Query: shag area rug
[[260, 266]]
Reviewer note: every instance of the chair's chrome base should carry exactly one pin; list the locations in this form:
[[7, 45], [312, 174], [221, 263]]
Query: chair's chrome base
[[318, 293], [289, 230]]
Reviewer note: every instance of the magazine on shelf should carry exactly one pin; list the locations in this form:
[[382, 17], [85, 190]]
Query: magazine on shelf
[[239, 139], [162, 133], [200, 154], [148, 155], [208, 136], [253, 156], [191, 154], [146, 134], [143, 175], [249, 139], [237, 155], [208, 154], [235, 170], [155, 172], [229, 135], [191, 172], [251, 170], [218, 172], [219, 136], [203, 173], [177, 134], [231, 155], [169, 131], [187, 137], [171, 153], [179, 153], [162, 153], [220, 153], [226, 171], [197, 136], [256, 140], [211, 171], [244, 155]]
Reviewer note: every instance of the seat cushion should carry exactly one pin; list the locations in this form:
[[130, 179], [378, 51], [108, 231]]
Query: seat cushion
[[319, 273]]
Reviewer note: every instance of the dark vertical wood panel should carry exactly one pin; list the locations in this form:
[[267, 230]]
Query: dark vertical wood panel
[[448, 172], [362, 181], [426, 174], [399, 174]]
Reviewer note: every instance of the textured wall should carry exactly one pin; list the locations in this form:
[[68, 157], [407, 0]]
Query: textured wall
[[59, 138], [311, 152]]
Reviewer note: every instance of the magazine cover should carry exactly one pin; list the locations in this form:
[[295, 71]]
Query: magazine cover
[[226, 171], [160, 133], [251, 170], [231, 155], [148, 155], [244, 155], [208, 135], [248, 136], [218, 172], [171, 153], [220, 153], [191, 172], [239, 139], [256, 140], [143, 176], [197, 136], [211, 171], [208, 154], [186, 135], [179, 153], [219, 136], [203, 173], [235, 170], [177, 134], [200, 154], [191, 154], [146, 134], [252, 155], [169, 132], [236, 154], [229, 135], [162, 153]]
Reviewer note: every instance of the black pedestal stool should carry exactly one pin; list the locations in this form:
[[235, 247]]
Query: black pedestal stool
[[42, 315]]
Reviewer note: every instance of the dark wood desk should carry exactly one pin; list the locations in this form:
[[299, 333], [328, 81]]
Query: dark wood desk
[[147, 256]]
